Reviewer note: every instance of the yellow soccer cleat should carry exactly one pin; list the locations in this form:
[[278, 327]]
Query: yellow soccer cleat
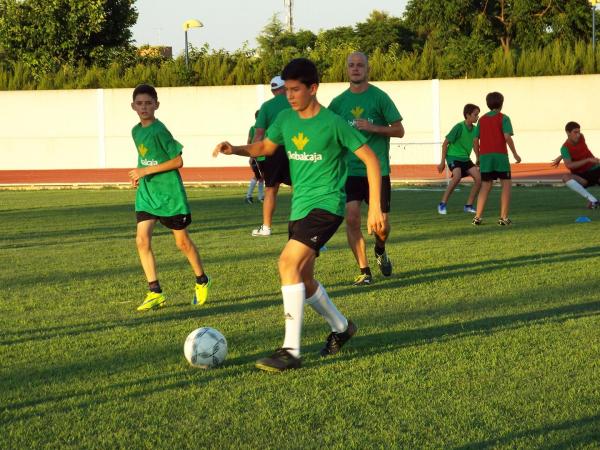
[[153, 300], [201, 292]]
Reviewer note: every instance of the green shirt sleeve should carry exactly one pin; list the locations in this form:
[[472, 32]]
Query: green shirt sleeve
[[507, 125], [564, 152], [261, 119], [388, 108], [274, 132], [455, 133], [168, 143]]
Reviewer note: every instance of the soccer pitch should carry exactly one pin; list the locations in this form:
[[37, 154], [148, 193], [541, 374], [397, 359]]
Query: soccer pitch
[[484, 337]]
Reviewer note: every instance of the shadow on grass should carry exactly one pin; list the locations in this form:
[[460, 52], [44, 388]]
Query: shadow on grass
[[140, 387], [210, 309], [585, 431], [404, 279], [389, 341]]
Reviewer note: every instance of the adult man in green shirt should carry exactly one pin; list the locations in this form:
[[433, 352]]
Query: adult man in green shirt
[[316, 141], [370, 110], [275, 168]]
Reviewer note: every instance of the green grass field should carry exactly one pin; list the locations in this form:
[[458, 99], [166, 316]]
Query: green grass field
[[484, 337]]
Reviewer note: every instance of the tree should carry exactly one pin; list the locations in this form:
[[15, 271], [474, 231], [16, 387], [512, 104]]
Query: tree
[[380, 31], [48, 34], [520, 23]]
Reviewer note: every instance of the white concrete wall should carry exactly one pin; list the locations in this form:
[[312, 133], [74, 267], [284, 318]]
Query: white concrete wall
[[89, 129]]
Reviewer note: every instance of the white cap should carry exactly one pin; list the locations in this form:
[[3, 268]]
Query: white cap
[[276, 83]]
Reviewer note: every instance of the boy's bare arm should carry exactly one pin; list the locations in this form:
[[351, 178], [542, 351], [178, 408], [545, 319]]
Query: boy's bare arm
[[442, 164], [511, 145], [556, 161], [476, 150], [266, 147], [395, 129], [572, 165], [375, 220], [140, 172]]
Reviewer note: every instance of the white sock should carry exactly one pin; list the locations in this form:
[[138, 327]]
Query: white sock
[[323, 305], [293, 308], [575, 186], [261, 189], [251, 188]]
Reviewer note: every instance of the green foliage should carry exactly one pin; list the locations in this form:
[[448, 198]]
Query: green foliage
[[45, 35]]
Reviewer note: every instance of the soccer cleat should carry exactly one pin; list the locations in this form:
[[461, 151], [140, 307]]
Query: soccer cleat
[[477, 220], [261, 231], [442, 208], [504, 222], [469, 209], [153, 300], [279, 361], [384, 263], [593, 205], [364, 279], [335, 341], [201, 292], [249, 200]]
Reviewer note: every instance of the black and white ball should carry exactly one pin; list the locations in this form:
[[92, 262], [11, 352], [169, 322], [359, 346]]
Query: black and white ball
[[205, 348]]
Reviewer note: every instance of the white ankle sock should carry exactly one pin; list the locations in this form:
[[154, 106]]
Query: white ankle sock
[[575, 186], [293, 308], [323, 305]]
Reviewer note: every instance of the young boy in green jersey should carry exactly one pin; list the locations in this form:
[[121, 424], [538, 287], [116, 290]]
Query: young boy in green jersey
[[258, 178], [492, 135], [456, 152], [160, 196], [316, 141]]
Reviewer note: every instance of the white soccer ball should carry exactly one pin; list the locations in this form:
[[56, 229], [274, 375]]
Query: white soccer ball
[[205, 348]]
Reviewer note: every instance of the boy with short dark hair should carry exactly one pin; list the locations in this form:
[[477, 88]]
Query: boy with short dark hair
[[456, 152], [160, 196], [492, 135], [316, 141], [583, 165]]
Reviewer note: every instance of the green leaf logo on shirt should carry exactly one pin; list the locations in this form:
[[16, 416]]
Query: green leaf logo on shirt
[[357, 112], [142, 150], [300, 141]]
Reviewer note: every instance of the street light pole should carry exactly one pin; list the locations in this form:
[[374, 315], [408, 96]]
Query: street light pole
[[192, 23]]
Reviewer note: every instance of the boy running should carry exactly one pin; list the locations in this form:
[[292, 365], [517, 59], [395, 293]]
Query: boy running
[[583, 165], [316, 141], [492, 135], [456, 152], [160, 196]]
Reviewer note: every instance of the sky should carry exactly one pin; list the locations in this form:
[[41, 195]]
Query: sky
[[229, 23]]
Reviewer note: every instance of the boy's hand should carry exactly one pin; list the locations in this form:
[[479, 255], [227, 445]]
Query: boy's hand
[[375, 220], [556, 161], [363, 124], [135, 175], [517, 158], [441, 167], [223, 147]]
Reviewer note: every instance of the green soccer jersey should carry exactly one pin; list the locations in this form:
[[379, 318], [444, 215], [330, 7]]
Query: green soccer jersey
[[460, 142], [316, 149], [375, 106], [161, 194]]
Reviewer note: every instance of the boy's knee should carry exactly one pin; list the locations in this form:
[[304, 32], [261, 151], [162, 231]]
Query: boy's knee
[[142, 242], [566, 178]]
